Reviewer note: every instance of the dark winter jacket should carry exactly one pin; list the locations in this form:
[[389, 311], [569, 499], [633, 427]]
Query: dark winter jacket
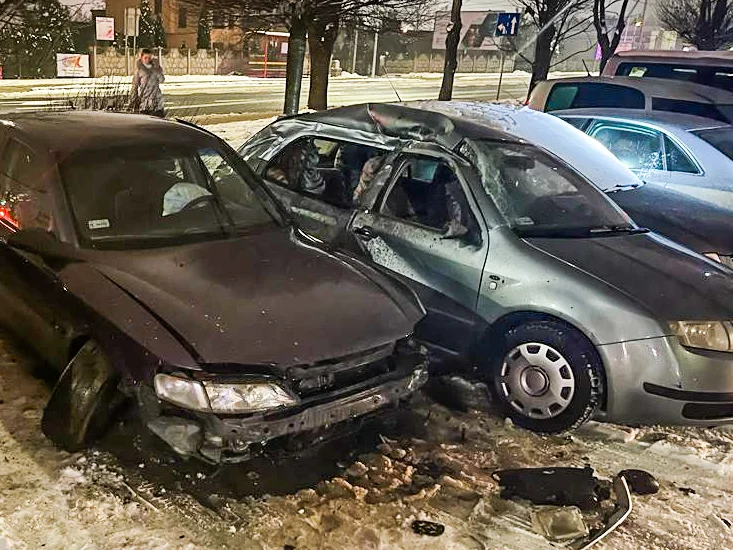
[[146, 95]]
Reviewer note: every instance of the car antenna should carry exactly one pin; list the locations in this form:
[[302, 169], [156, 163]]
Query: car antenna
[[384, 69], [587, 72]]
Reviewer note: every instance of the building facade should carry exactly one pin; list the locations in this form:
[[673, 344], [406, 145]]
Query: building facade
[[179, 17]]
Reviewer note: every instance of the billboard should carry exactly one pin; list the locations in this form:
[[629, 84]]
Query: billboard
[[72, 65], [477, 30], [105, 28]]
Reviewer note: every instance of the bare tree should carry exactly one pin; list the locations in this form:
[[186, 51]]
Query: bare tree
[[555, 21], [707, 24], [451, 51], [10, 12], [608, 44]]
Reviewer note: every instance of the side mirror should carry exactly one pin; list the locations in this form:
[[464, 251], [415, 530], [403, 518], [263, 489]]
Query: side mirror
[[41, 242]]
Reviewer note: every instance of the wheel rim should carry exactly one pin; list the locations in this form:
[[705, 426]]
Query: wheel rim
[[537, 381]]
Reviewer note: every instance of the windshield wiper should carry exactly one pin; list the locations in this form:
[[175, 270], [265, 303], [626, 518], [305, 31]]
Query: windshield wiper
[[617, 229]]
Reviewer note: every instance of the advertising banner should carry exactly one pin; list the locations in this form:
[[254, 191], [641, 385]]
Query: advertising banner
[[72, 65], [105, 28]]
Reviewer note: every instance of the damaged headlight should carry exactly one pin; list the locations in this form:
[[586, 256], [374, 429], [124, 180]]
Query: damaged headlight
[[232, 398], [220, 397], [711, 335], [185, 392]]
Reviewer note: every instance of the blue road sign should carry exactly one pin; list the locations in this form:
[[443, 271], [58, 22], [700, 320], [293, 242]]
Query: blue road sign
[[507, 24]]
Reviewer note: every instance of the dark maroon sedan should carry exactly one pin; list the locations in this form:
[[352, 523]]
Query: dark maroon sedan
[[145, 261]]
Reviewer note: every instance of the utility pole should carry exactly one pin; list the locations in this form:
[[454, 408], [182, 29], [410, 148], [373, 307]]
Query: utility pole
[[374, 56], [356, 49]]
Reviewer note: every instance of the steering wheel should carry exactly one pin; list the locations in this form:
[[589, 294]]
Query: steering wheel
[[198, 202]]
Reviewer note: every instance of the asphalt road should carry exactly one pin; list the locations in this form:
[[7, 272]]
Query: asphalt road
[[265, 97]]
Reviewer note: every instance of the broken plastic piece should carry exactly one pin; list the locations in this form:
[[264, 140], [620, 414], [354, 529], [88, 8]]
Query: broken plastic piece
[[556, 486], [429, 528], [559, 524], [619, 515], [640, 482]]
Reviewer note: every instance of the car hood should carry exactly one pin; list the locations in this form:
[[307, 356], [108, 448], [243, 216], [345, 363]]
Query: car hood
[[699, 225], [265, 299], [669, 281]]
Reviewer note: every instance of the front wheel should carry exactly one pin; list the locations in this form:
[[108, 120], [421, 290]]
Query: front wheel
[[548, 377], [83, 401]]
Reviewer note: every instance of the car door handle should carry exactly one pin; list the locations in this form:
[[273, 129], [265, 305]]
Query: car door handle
[[365, 233]]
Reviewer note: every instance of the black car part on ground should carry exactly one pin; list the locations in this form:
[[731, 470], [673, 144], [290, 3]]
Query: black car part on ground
[[557, 486]]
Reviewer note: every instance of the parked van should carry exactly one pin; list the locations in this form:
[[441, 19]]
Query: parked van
[[709, 68]]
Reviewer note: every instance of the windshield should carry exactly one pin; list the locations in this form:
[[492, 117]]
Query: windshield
[[137, 197], [539, 196], [720, 138]]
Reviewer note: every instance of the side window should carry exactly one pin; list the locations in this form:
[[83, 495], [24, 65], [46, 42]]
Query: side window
[[24, 199], [638, 149], [427, 192], [327, 169], [723, 79], [676, 159]]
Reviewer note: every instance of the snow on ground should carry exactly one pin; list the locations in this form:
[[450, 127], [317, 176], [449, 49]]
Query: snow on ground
[[430, 463]]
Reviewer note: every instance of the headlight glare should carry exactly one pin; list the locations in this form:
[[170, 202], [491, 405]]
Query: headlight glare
[[185, 392], [711, 335], [249, 397]]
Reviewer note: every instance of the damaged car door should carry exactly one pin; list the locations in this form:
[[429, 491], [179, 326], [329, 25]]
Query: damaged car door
[[421, 221]]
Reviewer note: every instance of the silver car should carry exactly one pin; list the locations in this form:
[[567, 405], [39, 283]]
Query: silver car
[[688, 154], [526, 269]]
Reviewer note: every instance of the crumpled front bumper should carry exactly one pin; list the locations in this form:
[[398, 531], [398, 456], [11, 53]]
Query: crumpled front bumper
[[234, 438]]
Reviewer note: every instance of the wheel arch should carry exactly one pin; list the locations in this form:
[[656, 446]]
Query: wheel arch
[[486, 350]]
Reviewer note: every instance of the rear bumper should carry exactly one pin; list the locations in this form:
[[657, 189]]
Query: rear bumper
[[658, 381], [215, 438]]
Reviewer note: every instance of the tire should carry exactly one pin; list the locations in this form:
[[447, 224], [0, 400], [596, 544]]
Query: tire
[[548, 377], [83, 401]]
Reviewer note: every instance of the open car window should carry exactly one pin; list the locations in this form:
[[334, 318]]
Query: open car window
[[132, 197], [325, 169], [427, 192]]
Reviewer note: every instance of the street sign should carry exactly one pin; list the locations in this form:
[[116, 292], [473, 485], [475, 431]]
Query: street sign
[[507, 24], [105, 28], [132, 21]]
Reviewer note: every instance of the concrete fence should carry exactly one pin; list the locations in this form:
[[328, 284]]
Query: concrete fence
[[176, 62], [433, 63]]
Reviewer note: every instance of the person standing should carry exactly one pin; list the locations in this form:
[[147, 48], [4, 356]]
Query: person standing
[[146, 96]]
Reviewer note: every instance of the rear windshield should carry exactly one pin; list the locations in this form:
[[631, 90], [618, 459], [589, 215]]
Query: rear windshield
[[724, 113], [717, 76], [720, 138], [579, 95]]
